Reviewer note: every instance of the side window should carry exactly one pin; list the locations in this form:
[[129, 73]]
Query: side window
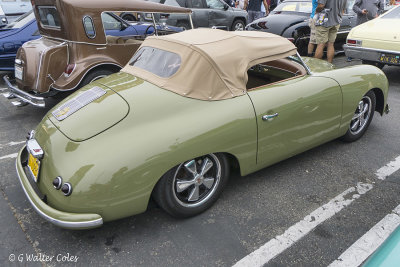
[[49, 16], [89, 27], [196, 4], [215, 4], [110, 23]]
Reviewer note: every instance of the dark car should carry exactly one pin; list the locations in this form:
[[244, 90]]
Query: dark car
[[13, 35], [206, 13], [290, 19]]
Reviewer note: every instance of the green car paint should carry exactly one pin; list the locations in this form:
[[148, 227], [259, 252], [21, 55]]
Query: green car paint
[[388, 254], [114, 150]]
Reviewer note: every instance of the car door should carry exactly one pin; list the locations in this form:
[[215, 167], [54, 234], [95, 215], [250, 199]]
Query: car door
[[218, 14], [200, 13], [304, 112]]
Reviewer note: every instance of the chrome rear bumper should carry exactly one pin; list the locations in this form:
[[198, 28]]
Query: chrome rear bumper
[[368, 54], [24, 97]]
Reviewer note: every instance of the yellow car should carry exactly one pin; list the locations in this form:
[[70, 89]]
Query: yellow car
[[377, 41]]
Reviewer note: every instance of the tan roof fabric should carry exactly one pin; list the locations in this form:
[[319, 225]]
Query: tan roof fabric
[[214, 63]]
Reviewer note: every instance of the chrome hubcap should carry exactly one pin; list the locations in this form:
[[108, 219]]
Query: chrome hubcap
[[196, 180], [361, 116], [239, 27]]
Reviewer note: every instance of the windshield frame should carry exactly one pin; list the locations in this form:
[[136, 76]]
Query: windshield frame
[[21, 18]]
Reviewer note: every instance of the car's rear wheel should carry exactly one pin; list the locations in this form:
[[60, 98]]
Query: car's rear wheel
[[238, 25], [95, 75], [128, 17], [183, 24], [193, 186], [376, 64], [362, 118]]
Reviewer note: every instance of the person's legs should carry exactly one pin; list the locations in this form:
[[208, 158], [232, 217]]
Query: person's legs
[[251, 16], [330, 52], [313, 41], [331, 41], [321, 37]]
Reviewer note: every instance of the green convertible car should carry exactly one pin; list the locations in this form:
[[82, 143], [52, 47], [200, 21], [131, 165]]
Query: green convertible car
[[185, 108]]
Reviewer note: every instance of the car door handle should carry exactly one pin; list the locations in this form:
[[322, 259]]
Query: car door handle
[[267, 117]]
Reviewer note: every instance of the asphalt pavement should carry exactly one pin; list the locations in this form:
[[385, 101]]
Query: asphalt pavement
[[251, 211]]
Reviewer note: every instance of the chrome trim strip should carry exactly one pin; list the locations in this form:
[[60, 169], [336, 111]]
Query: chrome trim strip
[[191, 21], [370, 49], [24, 96], [304, 64], [60, 223], [65, 90], [154, 24]]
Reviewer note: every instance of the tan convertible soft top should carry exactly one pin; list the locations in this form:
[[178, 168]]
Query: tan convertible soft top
[[214, 63]]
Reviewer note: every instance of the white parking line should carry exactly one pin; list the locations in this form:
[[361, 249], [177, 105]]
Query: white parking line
[[390, 168], [12, 144], [1, 89], [368, 243], [11, 156], [280, 243]]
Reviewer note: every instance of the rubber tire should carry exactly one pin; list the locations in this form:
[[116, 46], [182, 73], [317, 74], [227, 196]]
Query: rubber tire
[[350, 137], [184, 25], [237, 21], [163, 194], [376, 64], [93, 74], [128, 17]]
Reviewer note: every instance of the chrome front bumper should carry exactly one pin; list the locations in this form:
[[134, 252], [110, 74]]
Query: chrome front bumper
[[24, 97], [60, 218], [369, 54]]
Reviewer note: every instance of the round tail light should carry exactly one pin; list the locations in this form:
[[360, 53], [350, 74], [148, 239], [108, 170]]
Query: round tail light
[[67, 189]]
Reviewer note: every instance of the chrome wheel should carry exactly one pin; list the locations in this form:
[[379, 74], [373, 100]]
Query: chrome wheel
[[196, 180], [361, 116], [239, 27]]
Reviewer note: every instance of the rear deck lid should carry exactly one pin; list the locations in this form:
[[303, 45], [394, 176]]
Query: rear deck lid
[[381, 29], [88, 112]]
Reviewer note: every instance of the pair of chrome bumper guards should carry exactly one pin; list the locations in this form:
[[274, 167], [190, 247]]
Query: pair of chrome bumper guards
[[24, 98]]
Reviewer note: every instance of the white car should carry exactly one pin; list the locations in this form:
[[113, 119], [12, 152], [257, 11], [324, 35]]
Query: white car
[[377, 41]]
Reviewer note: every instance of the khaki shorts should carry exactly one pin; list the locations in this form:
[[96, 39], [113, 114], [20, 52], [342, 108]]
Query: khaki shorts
[[324, 35], [313, 37]]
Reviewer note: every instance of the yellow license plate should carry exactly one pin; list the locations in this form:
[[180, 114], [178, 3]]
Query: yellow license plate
[[391, 59], [33, 165]]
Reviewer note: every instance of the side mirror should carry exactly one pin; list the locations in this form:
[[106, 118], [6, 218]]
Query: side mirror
[[226, 7]]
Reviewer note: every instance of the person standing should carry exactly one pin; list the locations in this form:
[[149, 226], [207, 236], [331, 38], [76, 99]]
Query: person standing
[[328, 22], [254, 9], [367, 9], [242, 4], [311, 23]]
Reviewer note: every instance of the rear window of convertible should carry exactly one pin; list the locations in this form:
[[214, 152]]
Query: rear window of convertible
[[49, 17], [157, 61]]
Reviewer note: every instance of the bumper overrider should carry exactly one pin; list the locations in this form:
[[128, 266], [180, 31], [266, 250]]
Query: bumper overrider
[[24, 97], [59, 218], [370, 54]]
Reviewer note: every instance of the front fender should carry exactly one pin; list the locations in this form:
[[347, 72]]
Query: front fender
[[355, 82]]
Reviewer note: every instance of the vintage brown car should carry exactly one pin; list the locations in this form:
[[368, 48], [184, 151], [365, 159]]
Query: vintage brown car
[[76, 47]]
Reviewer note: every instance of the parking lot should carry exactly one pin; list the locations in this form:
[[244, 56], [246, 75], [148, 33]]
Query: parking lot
[[305, 211]]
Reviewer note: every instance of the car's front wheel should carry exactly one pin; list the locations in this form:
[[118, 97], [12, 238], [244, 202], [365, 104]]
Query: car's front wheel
[[362, 118], [238, 25], [193, 186]]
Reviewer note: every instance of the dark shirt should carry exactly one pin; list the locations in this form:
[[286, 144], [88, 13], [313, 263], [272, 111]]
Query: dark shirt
[[254, 5]]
